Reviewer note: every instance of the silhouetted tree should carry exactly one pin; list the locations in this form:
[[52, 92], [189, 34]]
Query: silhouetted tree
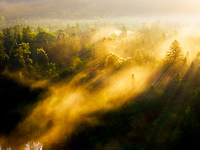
[[3, 57], [8, 36]]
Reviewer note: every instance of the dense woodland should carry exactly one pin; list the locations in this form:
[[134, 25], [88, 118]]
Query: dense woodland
[[157, 108]]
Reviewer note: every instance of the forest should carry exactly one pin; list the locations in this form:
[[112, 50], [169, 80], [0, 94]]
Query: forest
[[98, 84]]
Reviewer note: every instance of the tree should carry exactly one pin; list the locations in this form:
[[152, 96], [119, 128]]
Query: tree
[[174, 56], [123, 32], [42, 58], [8, 36], [16, 61], [177, 78], [197, 59], [41, 40], [24, 47], [2, 22], [26, 34], [139, 58], [3, 57], [86, 52], [17, 34], [19, 58]]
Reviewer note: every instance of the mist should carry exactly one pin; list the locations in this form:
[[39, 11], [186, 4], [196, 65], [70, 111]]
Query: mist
[[184, 11], [99, 74]]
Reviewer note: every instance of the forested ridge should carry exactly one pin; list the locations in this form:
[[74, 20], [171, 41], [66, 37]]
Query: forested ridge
[[99, 85]]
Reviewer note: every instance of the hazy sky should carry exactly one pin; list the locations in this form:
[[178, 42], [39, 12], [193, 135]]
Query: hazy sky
[[156, 6], [182, 10], [176, 9], [137, 6]]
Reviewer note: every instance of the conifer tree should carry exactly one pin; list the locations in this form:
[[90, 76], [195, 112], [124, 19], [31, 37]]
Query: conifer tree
[[174, 56]]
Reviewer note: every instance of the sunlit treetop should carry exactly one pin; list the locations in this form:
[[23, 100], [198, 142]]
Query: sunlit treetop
[[174, 55]]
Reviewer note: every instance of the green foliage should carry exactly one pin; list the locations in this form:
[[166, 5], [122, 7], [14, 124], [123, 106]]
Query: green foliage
[[26, 34], [26, 53], [19, 58], [52, 71], [68, 72], [8, 37], [42, 58], [3, 57], [77, 63], [16, 62]]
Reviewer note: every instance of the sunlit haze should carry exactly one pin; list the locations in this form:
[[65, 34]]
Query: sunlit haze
[[99, 74]]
